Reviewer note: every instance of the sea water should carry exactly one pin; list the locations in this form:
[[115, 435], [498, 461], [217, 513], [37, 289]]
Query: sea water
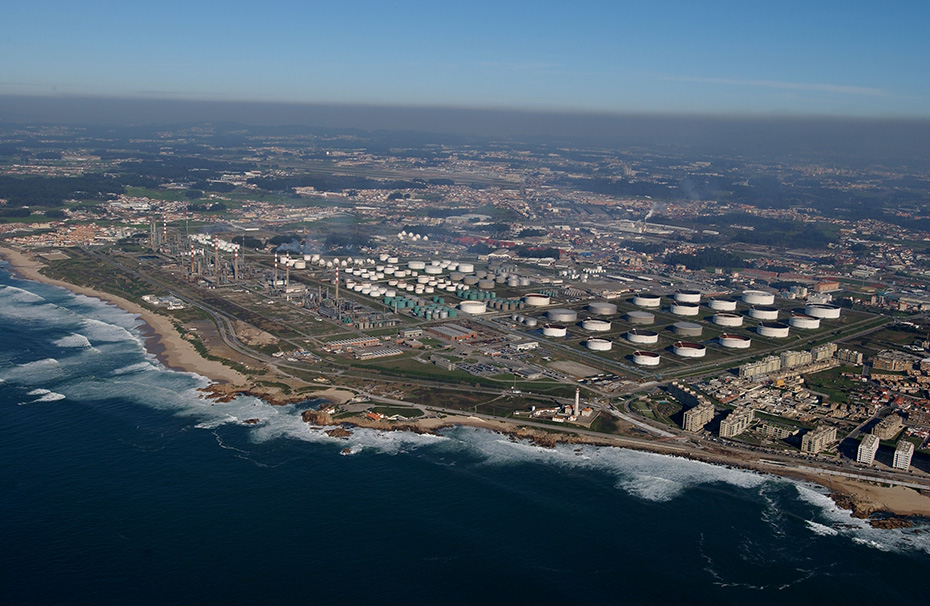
[[120, 485]]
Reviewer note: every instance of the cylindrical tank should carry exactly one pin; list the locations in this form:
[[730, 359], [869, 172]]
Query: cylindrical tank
[[456, 276], [537, 300], [473, 307], [531, 322], [486, 284], [416, 265], [471, 280], [646, 358], [799, 320], [822, 310], [728, 319], [433, 270], [761, 312], [688, 349], [554, 330], [562, 316], [525, 282], [758, 297], [640, 317], [773, 329], [595, 325], [513, 282], [647, 300], [685, 309], [422, 279], [598, 344], [731, 341], [687, 329], [642, 336], [722, 304], [602, 308], [688, 296]]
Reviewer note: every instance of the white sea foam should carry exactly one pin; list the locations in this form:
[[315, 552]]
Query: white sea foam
[[51, 397], [858, 530], [38, 392], [73, 340], [12, 294], [99, 331], [137, 367], [822, 530], [34, 372]]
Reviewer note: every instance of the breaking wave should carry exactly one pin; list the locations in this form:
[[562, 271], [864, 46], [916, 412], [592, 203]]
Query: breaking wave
[[73, 340]]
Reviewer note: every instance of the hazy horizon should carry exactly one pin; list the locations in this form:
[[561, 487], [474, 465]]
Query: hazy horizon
[[798, 58]]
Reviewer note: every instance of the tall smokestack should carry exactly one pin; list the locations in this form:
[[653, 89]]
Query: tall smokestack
[[192, 257], [216, 260], [236, 264], [274, 282], [577, 407], [287, 271]]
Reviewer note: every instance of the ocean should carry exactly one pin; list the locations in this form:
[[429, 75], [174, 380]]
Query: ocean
[[120, 485]]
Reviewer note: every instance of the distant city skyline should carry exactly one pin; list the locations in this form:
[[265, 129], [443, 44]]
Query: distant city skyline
[[787, 58]]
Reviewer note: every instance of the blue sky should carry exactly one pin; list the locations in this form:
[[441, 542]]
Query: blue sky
[[775, 57]]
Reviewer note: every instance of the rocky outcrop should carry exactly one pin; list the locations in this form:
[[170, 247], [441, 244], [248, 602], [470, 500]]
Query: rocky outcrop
[[315, 417]]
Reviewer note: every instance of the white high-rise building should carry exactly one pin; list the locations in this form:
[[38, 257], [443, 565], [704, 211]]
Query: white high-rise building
[[903, 454], [867, 449]]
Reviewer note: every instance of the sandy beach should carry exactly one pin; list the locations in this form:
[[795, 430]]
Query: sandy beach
[[162, 339]]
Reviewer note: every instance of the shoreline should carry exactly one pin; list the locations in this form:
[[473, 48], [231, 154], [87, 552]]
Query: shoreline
[[162, 340], [881, 506], [159, 335]]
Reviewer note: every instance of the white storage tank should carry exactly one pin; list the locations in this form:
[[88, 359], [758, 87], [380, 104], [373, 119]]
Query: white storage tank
[[537, 300], [799, 320], [598, 344], [562, 315], [595, 325], [761, 312], [688, 296], [525, 282], [640, 317], [486, 284], [416, 265], [554, 330], [728, 319], [466, 268], [602, 308], [473, 307], [433, 270], [773, 329], [642, 336], [531, 322], [722, 304], [646, 358], [685, 309], [734, 341], [687, 329], [758, 297], [688, 349], [647, 300], [822, 310]]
